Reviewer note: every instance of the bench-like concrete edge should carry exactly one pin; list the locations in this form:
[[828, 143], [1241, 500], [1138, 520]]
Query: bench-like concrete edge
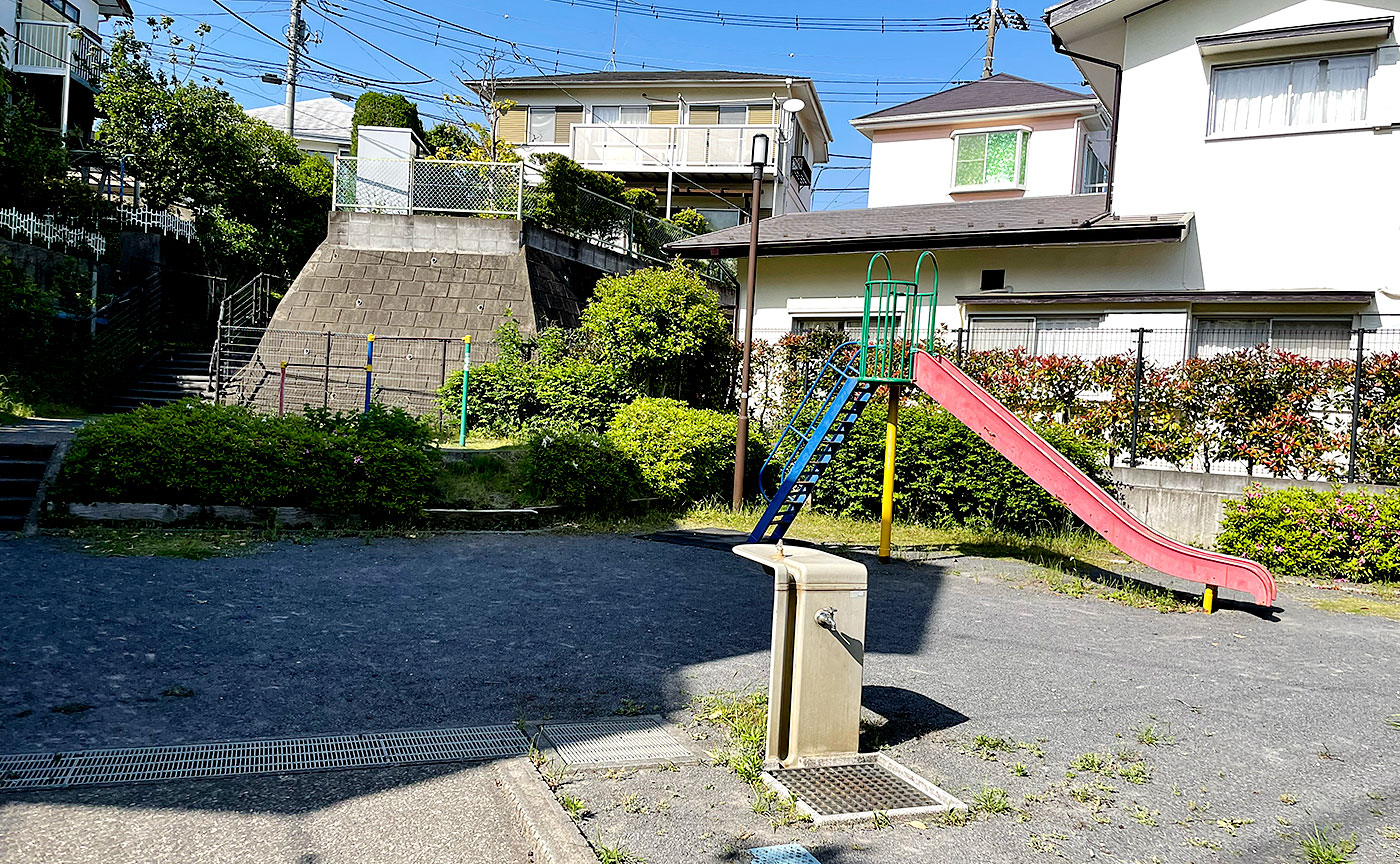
[[56, 456], [552, 835], [177, 513]]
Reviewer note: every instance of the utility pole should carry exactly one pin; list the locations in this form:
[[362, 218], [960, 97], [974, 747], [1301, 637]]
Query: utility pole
[[993, 20], [296, 37]]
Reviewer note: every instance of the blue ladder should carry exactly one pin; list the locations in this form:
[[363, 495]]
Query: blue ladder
[[837, 408]]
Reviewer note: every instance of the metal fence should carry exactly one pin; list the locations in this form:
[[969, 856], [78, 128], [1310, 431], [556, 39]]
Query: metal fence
[[429, 186], [287, 371], [1302, 400], [43, 229]]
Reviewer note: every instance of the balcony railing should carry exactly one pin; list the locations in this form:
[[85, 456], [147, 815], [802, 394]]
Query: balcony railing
[[46, 47], [601, 145]]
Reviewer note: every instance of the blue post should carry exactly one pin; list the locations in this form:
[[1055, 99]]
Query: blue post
[[369, 368], [466, 370]]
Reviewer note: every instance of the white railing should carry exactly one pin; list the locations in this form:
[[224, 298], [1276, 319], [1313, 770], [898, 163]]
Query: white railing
[[601, 145], [160, 220], [49, 46], [44, 230]]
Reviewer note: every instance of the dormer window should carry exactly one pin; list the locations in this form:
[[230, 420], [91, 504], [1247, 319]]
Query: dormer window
[[990, 160]]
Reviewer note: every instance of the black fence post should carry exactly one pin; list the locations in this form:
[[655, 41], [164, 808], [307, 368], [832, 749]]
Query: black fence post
[[1137, 399], [218, 364], [1356, 402], [958, 355], [326, 380]]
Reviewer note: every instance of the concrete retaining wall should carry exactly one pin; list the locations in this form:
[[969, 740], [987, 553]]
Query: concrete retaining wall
[[1189, 507]]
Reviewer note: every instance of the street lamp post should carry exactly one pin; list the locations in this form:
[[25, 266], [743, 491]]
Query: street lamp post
[[741, 438]]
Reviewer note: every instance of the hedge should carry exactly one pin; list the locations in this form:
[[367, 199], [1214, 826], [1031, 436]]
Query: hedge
[[946, 475], [1306, 533], [376, 465], [683, 453]]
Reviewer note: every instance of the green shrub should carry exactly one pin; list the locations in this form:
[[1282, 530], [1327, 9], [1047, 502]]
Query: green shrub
[[1305, 533], [945, 474], [383, 109], [683, 453], [376, 465], [505, 398], [663, 329], [578, 469], [578, 393], [691, 220]]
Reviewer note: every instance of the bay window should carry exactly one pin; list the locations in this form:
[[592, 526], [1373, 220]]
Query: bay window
[[990, 159]]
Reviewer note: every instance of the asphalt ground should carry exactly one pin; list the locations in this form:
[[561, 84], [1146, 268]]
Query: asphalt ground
[[344, 636]]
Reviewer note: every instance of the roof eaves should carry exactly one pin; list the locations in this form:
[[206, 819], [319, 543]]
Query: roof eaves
[[1009, 110]]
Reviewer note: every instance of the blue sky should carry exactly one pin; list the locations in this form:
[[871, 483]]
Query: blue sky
[[855, 72]]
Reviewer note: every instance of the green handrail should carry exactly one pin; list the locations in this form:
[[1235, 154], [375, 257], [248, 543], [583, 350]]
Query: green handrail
[[898, 321]]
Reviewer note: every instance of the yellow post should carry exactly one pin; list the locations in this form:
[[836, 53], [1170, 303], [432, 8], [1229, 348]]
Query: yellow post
[[1208, 599], [887, 498]]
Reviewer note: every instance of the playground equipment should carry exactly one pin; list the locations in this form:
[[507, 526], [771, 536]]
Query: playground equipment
[[898, 322]]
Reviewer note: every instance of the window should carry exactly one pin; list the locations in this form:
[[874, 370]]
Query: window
[[1094, 177], [1301, 94], [1319, 339], [1066, 336], [720, 217], [993, 280], [621, 115], [64, 8], [733, 115], [839, 325], [991, 159], [541, 129]]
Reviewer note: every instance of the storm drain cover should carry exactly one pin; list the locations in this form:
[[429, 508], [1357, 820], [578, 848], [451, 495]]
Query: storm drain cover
[[632, 739], [789, 853], [859, 788], [272, 756]]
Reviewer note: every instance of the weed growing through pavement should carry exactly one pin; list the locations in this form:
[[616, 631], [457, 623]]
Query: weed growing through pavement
[[1045, 843], [633, 804], [1124, 764], [1150, 736], [744, 718], [880, 819], [1290, 800], [614, 854], [1389, 832], [1019, 770], [1203, 843], [575, 807], [1318, 848], [629, 708], [991, 801], [555, 773], [1229, 826], [1143, 816]]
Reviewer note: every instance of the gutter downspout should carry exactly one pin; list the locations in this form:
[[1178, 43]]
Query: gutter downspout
[[1113, 133]]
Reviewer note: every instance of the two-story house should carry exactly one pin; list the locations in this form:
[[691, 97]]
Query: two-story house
[[688, 136], [56, 47], [323, 125], [981, 134], [1251, 198]]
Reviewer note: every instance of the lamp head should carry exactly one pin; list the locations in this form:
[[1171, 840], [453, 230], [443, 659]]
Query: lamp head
[[760, 151]]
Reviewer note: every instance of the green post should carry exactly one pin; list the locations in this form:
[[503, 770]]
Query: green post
[[466, 369]]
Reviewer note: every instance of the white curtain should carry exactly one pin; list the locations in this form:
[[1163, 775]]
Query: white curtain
[[1301, 93]]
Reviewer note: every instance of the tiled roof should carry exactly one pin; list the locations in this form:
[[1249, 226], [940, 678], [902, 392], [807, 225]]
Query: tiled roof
[[1047, 220], [998, 91], [643, 77], [326, 118]]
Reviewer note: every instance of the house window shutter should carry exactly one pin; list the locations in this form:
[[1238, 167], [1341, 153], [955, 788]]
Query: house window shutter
[[511, 127], [704, 115], [761, 115], [664, 115], [563, 119]]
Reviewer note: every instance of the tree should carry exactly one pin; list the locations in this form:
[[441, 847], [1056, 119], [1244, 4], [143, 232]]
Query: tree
[[468, 143], [34, 164], [663, 328], [260, 202], [484, 84], [383, 109]]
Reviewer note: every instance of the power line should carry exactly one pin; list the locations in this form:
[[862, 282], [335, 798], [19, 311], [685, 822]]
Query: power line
[[776, 22]]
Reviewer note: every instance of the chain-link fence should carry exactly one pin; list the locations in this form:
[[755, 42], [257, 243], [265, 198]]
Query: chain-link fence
[[288, 371], [1303, 400]]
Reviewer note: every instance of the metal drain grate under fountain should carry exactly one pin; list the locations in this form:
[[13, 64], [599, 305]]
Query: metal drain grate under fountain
[[847, 789], [271, 756]]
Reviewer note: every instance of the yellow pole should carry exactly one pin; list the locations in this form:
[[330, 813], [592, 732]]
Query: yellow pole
[[887, 498], [1208, 599]]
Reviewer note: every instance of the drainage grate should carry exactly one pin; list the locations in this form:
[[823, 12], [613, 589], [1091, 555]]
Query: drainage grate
[[790, 853], [857, 788], [640, 739], [272, 756], [863, 788]]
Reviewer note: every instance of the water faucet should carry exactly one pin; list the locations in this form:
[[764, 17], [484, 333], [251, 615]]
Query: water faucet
[[826, 619]]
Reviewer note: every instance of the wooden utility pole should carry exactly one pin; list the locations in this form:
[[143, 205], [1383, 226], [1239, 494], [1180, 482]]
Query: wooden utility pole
[[993, 20], [296, 37]]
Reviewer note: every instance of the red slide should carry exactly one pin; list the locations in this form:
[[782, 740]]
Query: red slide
[[1026, 450]]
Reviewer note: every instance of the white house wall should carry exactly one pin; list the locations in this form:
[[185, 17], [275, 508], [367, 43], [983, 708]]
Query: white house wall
[[915, 165], [1305, 211]]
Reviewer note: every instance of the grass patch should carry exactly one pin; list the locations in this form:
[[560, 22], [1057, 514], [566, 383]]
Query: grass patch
[[1124, 765], [1318, 848], [194, 544], [1150, 736], [992, 801], [1359, 605], [485, 479], [744, 718]]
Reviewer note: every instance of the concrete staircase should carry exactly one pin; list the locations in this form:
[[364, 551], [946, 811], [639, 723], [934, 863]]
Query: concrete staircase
[[21, 470], [171, 377]]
